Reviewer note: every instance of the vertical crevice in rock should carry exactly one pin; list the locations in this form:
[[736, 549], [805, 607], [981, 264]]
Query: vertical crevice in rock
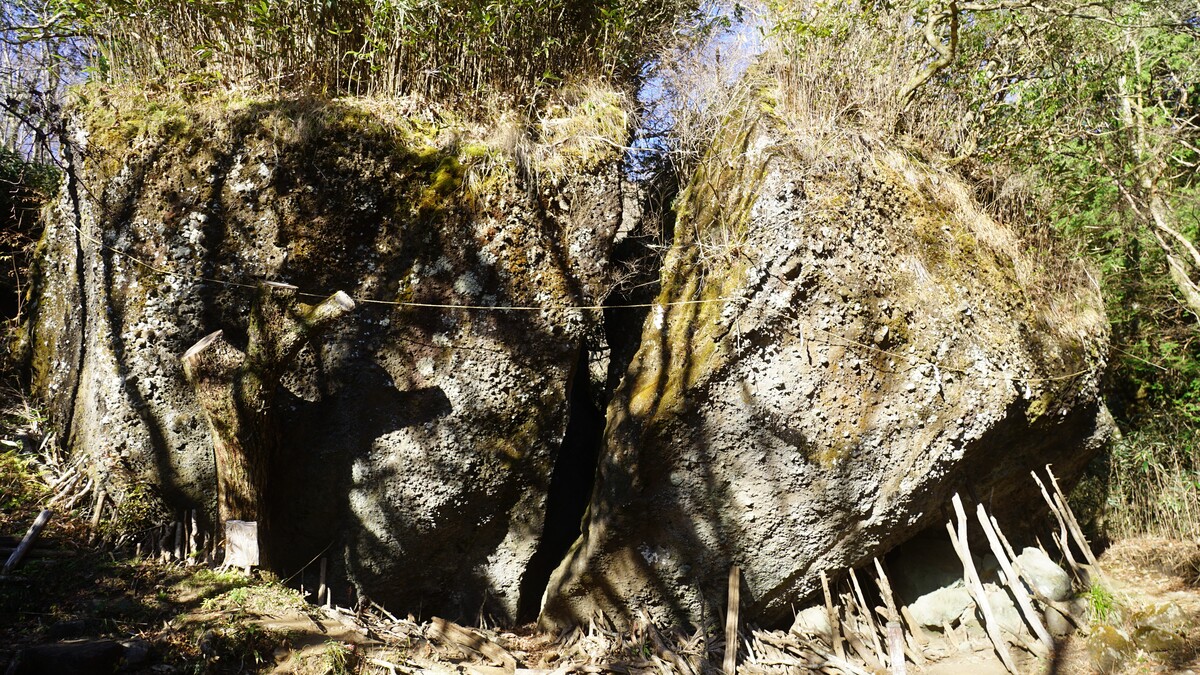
[[570, 488]]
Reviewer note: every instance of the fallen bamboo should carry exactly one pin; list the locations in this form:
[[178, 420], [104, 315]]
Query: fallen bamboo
[[27, 541]]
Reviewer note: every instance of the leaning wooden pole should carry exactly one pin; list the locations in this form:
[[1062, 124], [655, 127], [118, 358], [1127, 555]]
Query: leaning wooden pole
[[27, 541]]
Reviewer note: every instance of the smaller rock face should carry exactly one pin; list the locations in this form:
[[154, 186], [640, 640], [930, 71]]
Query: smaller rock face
[[417, 441], [1108, 647], [943, 606]]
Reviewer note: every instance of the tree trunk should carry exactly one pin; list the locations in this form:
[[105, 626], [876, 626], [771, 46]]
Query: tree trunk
[[236, 391]]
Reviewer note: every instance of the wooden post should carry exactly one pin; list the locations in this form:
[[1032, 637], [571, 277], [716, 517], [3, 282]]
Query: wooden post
[[27, 541], [733, 604]]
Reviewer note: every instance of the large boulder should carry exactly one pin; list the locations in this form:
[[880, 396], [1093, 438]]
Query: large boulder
[[841, 343], [418, 441]]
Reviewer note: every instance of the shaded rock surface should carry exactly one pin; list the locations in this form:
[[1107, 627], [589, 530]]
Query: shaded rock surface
[[418, 442], [839, 346]]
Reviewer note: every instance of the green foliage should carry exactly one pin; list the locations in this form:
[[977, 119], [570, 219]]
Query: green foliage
[[20, 488], [339, 659], [457, 48], [1101, 603]]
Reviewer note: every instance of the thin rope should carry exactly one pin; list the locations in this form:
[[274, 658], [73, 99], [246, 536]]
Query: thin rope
[[844, 341]]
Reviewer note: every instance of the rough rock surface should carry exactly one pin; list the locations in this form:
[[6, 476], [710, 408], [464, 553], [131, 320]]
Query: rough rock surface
[[418, 442], [841, 344]]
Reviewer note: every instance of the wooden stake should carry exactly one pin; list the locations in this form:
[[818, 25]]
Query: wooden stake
[[178, 540], [975, 586], [322, 590], [1063, 543], [194, 542], [1072, 524], [27, 541], [871, 628], [97, 512], [895, 636], [1014, 582], [835, 630], [733, 602]]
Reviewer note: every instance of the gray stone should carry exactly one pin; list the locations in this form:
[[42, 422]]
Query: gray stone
[[1048, 578], [1057, 624], [813, 621], [136, 654], [1004, 608], [943, 606]]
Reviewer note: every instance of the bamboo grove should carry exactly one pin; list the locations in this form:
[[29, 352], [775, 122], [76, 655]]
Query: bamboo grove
[[438, 49]]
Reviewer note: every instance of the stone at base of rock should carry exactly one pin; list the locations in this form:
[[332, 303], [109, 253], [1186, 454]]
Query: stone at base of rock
[[95, 657], [1049, 579]]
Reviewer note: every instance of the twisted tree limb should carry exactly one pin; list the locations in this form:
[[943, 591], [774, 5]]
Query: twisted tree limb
[[236, 391]]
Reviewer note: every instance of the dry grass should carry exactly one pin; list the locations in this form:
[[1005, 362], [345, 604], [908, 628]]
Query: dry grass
[[1153, 488]]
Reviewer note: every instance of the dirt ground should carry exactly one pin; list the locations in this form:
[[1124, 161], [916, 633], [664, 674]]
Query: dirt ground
[[175, 618]]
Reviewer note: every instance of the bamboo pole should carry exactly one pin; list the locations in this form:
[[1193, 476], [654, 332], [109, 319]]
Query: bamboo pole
[[975, 586], [1014, 582], [733, 602], [27, 541]]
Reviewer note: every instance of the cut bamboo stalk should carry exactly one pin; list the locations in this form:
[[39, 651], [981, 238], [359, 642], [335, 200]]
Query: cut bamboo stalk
[[731, 620], [835, 630], [871, 628], [1064, 544], [975, 586], [322, 590], [895, 636], [1014, 582], [27, 541], [97, 512]]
